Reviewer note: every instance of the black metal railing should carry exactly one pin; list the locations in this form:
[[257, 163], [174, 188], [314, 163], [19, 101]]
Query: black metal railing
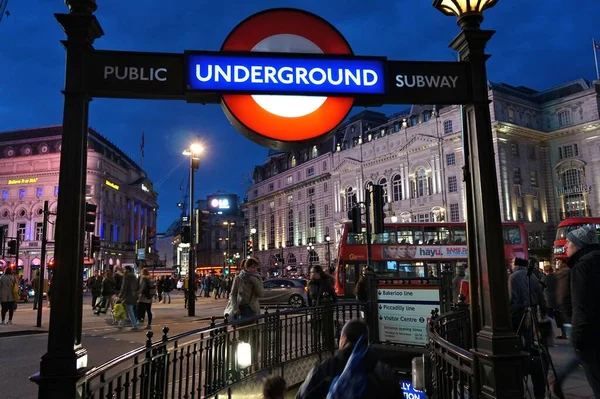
[[453, 365], [205, 362]]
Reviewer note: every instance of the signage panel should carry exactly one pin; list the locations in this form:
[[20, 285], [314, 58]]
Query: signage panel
[[125, 74], [410, 252], [410, 392], [141, 253], [289, 74], [111, 185], [224, 204], [30, 180], [410, 82], [404, 311]]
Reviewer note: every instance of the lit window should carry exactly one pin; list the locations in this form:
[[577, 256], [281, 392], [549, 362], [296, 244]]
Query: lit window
[[39, 191], [21, 193], [450, 159], [5, 194], [310, 171]]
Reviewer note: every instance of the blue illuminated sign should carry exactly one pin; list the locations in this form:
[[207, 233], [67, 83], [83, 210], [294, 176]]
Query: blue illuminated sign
[[279, 75], [409, 392]]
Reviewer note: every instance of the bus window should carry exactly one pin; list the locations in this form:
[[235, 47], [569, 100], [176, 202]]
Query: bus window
[[405, 235], [436, 235], [387, 237], [512, 234], [355, 239], [418, 234], [459, 235]]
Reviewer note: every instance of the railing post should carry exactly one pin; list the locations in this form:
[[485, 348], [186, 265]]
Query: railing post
[[447, 296]]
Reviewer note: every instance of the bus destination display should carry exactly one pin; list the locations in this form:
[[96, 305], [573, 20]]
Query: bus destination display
[[404, 311]]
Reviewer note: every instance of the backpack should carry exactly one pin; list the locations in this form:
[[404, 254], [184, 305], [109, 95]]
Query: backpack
[[352, 382], [151, 290]]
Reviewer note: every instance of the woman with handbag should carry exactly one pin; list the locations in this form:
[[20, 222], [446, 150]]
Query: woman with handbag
[[9, 293]]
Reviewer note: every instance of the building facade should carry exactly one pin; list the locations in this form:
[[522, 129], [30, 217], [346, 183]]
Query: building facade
[[29, 174], [546, 148]]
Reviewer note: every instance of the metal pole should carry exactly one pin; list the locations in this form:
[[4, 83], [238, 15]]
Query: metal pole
[[66, 359], [17, 252], [497, 348], [368, 223], [191, 263], [40, 287]]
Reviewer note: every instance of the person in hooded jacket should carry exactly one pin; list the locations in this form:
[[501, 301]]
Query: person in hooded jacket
[[381, 382], [247, 289]]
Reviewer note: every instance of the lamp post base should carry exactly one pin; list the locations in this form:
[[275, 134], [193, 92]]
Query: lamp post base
[[59, 373]]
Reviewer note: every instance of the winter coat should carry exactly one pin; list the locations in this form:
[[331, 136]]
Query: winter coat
[[95, 284], [519, 293], [129, 289], [550, 291], [168, 284], [381, 381], [108, 286], [247, 289], [7, 282], [563, 293], [321, 292], [118, 282], [585, 296], [144, 290], [361, 289]]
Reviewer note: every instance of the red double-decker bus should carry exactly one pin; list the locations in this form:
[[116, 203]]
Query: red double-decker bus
[[565, 227], [414, 250]]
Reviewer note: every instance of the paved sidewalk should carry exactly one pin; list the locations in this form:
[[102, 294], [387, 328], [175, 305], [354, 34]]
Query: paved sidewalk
[[576, 385]]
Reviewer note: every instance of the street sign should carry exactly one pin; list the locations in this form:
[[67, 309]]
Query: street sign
[[125, 74]]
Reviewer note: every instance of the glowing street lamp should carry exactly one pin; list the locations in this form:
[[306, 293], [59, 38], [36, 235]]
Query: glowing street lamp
[[469, 12]]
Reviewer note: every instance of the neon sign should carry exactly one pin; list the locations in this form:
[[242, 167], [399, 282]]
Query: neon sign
[[22, 181], [220, 203], [111, 184]]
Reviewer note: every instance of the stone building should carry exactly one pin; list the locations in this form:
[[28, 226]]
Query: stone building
[[29, 174]]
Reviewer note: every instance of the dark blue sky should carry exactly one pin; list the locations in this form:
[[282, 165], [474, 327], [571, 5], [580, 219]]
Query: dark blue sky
[[538, 44]]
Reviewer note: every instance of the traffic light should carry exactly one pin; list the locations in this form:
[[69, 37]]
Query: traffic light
[[249, 248], [185, 235], [95, 244], [12, 247], [90, 217], [354, 216], [375, 192], [151, 237], [203, 224]]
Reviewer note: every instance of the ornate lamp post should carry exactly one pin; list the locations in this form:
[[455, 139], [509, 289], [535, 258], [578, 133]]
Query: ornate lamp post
[[252, 234], [194, 153], [496, 346], [328, 241], [310, 249]]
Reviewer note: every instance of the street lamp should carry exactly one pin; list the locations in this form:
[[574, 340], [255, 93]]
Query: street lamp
[[328, 241], [310, 249], [252, 233], [193, 152], [495, 344]]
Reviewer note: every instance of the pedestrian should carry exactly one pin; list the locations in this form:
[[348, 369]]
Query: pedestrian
[[274, 388], [147, 290], [108, 292], [168, 287], [94, 284], [160, 287], [563, 297], [247, 289], [118, 275], [321, 292], [361, 286], [36, 289], [128, 296], [583, 253], [549, 285], [320, 288], [456, 282], [367, 378], [8, 299]]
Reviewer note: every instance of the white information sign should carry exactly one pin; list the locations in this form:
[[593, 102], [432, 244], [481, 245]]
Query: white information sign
[[404, 311]]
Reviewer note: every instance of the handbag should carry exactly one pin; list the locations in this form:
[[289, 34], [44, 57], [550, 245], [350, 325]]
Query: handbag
[[16, 292]]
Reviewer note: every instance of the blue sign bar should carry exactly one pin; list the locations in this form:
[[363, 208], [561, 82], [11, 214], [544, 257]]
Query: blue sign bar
[[279, 75]]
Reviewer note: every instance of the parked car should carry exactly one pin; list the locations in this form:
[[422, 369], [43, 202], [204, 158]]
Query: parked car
[[285, 291]]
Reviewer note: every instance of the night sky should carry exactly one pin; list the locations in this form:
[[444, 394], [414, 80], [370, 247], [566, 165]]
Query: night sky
[[538, 44]]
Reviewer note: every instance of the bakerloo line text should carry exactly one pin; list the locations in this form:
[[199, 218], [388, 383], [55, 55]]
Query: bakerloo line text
[[286, 75]]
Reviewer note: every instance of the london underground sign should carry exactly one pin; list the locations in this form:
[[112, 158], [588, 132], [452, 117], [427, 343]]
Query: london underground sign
[[284, 78]]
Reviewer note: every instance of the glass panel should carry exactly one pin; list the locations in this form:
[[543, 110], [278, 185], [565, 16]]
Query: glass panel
[[512, 234], [459, 235]]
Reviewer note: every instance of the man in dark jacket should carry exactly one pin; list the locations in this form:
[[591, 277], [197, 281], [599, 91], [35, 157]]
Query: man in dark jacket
[[563, 296], [94, 284], [381, 382], [584, 260], [129, 295]]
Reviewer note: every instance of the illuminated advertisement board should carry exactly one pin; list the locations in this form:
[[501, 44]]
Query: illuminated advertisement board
[[222, 204]]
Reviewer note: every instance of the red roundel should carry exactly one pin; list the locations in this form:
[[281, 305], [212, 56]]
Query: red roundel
[[284, 121]]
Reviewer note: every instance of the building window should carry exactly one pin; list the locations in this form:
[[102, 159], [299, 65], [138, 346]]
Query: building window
[[533, 177], [396, 127], [38, 231], [426, 116], [272, 231], [448, 127], [324, 166], [272, 204], [450, 159], [290, 180], [397, 188], [5, 194], [299, 195], [537, 211], [271, 187], [454, 213], [422, 188], [452, 184], [414, 120], [564, 118], [21, 227], [511, 115], [293, 163], [325, 187], [326, 210], [568, 151], [290, 226], [350, 198], [528, 119], [312, 216], [531, 152], [21, 193], [383, 184], [56, 191], [315, 152], [310, 171], [517, 176], [514, 149], [290, 198], [310, 192], [39, 191]]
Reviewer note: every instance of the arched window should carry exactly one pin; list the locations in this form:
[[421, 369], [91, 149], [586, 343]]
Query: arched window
[[368, 184], [293, 162], [313, 257], [397, 188], [572, 187], [350, 198], [422, 183], [383, 184], [291, 259], [315, 152]]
